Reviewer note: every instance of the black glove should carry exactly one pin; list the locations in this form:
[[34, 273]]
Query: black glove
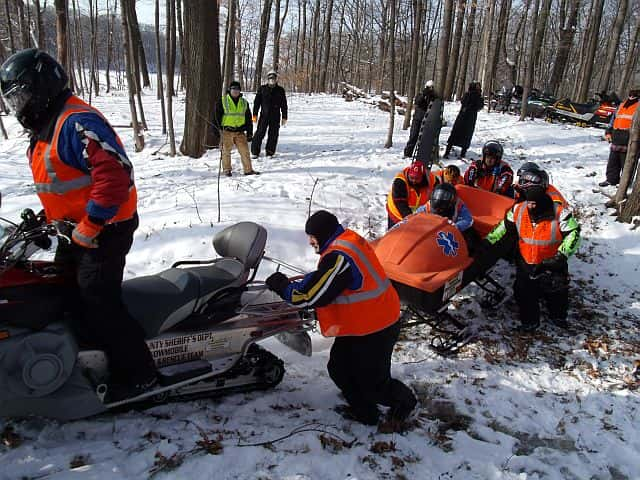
[[557, 263], [249, 137], [277, 282]]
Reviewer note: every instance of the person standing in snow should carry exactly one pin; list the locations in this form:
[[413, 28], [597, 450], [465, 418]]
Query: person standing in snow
[[271, 98], [411, 189], [233, 116], [421, 104], [618, 135], [356, 303], [490, 172], [546, 234], [85, 182], [465, 124]]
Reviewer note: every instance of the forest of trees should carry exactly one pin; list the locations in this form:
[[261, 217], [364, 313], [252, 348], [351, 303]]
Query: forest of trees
[[569, 48]]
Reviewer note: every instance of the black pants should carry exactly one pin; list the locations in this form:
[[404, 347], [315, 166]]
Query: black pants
[[361, 369], [414, 132], [553, 288], [615, 164], [100, 317], [272, 124]]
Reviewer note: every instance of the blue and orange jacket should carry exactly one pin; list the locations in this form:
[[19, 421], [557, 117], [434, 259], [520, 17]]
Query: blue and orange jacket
[[80, 168], [497, 179]]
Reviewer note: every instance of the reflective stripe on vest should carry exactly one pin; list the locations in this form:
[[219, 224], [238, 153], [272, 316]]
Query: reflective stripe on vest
[[534, 250], [624, 116], [233, 113], [381, 285], [56, 185], [368, 309]]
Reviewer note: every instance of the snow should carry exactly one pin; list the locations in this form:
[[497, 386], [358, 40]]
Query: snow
[[560, 405]]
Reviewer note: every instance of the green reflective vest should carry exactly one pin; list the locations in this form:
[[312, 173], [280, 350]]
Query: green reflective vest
[[233, 114]]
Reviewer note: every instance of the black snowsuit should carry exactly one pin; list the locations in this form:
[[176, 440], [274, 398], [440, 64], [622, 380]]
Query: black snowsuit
[[421, 105], [273, 101], [465, 124]]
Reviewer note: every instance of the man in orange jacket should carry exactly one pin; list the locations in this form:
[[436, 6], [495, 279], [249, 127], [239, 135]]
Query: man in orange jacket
[[618, 135], [356, 303], [411, 189], [83, 177]]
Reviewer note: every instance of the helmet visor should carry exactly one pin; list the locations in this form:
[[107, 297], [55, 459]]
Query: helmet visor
[[16, 98]]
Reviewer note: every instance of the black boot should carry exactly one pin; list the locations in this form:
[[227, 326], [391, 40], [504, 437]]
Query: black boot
[[447, 152], [463, 153]]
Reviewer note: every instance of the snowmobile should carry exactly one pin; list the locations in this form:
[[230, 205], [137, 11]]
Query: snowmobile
[[201, 319], [594, 113], [538, 102], [427, 260]]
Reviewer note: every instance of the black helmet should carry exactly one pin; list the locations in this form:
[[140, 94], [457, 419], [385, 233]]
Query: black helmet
[[527, 166], [533, 183], [30, 80], [493, 148], [443, 199]]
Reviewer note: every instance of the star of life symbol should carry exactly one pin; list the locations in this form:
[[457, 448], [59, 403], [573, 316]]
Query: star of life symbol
[[447, 241]]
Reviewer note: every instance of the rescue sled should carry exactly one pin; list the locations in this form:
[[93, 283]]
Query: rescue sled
[[428, 262]]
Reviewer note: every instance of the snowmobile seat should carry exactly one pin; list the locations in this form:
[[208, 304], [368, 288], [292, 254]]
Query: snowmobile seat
[[162, 301]]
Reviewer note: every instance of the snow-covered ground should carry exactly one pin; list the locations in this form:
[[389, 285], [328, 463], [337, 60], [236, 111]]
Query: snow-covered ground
[[560, 405]]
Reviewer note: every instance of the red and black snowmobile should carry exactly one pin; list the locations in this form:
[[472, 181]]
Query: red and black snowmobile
[[202, 320], [428, 262]]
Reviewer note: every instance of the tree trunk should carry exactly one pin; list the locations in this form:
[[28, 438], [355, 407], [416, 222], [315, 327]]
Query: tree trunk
[[12, 45], [590, 52], [137, 130], [565, 42], [179, 33], [170, 53], [630, 63], [505, 10], [203, 61], [455, 49], [392, 73], [630, 208], [416, 38], [532, 60], [39, 24], [313, 72], [277, 32], [464, 60], [443, 48], [262, 42], [327, 46], [110, 24], [487, 47], [160, 87], [238, 42], [614, 42], [138, 48], [229, 45], [62, 41]]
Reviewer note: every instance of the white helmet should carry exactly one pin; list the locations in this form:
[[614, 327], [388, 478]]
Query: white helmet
[[429, 84], [272, 73]]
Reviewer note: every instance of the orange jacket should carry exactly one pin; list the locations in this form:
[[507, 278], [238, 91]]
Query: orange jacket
[[416, 196], [369, 309], [440, 178], [64, 190], [624, 116], [540, 241]]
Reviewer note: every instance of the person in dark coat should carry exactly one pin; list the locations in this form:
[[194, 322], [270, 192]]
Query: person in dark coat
[[421, 104], [273, 102], [465, 124]]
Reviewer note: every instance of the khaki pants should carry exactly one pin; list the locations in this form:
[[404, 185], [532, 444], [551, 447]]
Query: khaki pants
[[239, 139]]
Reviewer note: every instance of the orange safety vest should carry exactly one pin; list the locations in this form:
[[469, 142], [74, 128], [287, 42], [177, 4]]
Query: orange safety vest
[[439, 175], [624, 116], [416, 196], [487, 182], [372, 307], [556, 196], [64, 190], [537, 241]]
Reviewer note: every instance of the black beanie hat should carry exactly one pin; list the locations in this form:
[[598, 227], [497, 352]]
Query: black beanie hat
[[235, 84], [322, 225]]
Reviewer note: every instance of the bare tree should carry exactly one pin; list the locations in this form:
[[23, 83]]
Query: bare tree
[[7, 14], [262, 42], [277, 31], [203, 61], [229, 44], [327, 45], [461, 6], [632, 58], [170, 52], [464, 60], [631, 207], [614, 41], [565, 42], [443, 47], [62, 41], [415, 50], [159, 67], [528, 80], [392, 73], [589, 55], [137, 128]]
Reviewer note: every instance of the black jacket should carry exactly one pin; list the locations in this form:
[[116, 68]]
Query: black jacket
[[272, 101], [423, 99], [219, 112], [465, 124]]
